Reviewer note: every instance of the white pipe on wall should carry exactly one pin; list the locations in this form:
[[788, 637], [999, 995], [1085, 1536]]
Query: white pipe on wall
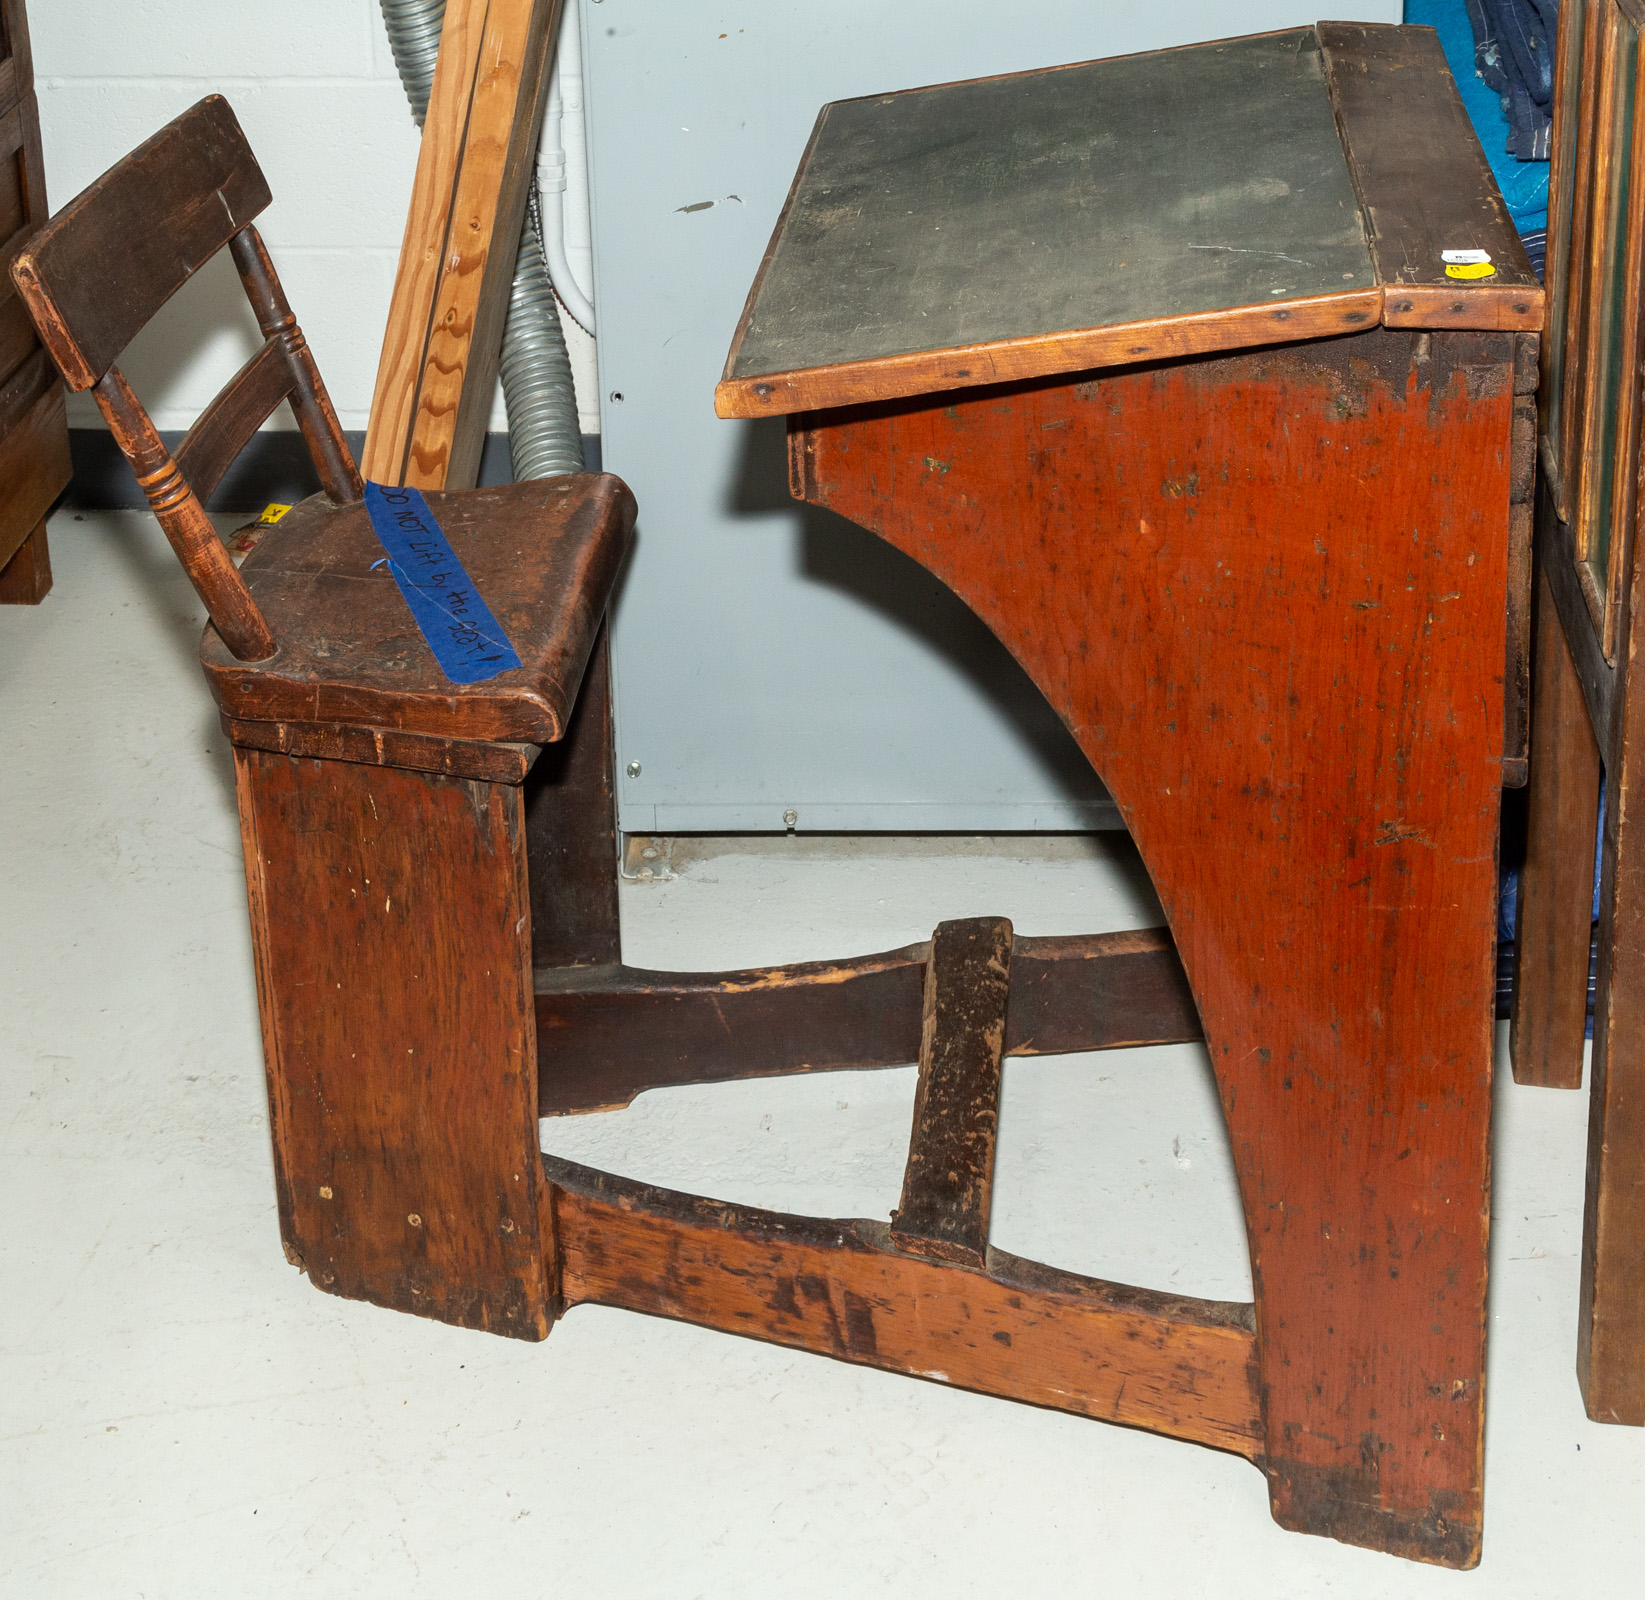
[[562, 177]]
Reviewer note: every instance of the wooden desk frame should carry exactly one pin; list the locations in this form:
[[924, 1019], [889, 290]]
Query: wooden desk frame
[[1590, 587], [1235, 577]]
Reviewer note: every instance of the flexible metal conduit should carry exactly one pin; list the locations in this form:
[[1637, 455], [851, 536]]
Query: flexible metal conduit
[[544, 438]]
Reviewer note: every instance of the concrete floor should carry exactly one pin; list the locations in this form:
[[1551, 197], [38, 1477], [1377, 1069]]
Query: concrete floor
[[182, 1415]]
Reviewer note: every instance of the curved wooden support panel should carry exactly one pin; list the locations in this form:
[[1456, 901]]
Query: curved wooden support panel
[[1281, 648], [1020, 1330], [608, 1033]]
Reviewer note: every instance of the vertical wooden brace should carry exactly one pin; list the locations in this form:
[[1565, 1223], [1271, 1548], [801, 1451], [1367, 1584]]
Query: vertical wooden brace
[[948, 1187]]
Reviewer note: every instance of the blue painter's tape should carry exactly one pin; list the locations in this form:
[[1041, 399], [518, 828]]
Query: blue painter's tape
[[466, 639]]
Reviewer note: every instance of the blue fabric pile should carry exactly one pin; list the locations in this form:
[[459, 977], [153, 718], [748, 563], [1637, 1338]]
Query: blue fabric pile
[[1524, 182], [1514, 54]]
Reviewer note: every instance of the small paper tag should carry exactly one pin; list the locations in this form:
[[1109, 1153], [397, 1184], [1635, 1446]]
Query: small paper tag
[[1470, 269], [273, 511], [1465, 258]]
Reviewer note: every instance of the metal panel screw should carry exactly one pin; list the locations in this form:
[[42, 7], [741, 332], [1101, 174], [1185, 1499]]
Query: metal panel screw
[[634, 769], [790, 818]]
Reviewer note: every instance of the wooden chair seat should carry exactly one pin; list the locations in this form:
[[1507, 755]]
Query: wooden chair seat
[[543, 554]]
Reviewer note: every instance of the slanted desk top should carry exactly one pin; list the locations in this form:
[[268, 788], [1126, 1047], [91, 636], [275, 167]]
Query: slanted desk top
[[1247, 192]]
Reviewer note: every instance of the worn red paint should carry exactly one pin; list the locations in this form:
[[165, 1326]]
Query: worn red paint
[[1266, 594]]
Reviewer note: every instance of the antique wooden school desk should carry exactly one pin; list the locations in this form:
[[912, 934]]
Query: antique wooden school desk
[[1161, 365]]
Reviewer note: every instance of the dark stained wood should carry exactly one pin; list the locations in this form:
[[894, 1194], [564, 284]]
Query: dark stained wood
[[544, 555], [948, 1186], [1424, 182], [1587, 710], [310, 403], [1599, 473], [387, 747], [1568, 261], [34, 466], [25, 579], [242, 630], [18, 340], [571, 842], [225, 427], [1172, 1365], [608, 1033], [1516, 703], [118, 251], [1600, 679], [34, 453], [1563, 136], [1299, 711], [400, 1048], [1556, 885], [1611, 1320]]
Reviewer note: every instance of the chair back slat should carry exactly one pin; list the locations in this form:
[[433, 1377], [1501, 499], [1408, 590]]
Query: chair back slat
[[100, 268], [94, 274], [225, 427]]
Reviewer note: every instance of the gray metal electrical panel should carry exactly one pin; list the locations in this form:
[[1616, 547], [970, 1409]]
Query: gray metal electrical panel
[[776, 665]]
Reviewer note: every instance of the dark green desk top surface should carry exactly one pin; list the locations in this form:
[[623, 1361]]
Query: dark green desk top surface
[[1198, 198], [1117, 191]]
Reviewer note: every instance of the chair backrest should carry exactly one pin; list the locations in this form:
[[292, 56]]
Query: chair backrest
[[101, 268]]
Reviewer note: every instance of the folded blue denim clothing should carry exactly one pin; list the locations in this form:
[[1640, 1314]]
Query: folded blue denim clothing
[[1514, 54]]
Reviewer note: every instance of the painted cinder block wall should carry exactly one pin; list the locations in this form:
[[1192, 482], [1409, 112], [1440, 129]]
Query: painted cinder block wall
[[314, 85]]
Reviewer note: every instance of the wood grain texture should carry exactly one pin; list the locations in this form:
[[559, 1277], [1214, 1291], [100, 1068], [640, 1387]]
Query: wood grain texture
[[1211, 573], [310, 403], [948, 1186], [1600, 475], [1516, 702], [891, 377], [386, 747], [571, 833], [400, 1049], [1568, 130], [34, 465], [1172, 1365], [438, 369], [25, 577], [1424, 182], [1554, 931], [1611, 1321], [34, 454], [226, 425], [544, 555], [608, 1033], [122, 247], [237, 625], [1600, 679], [429, 221], [1572, 252]]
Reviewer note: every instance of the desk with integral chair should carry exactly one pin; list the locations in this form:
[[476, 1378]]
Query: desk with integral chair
[[1203, 377], [1157, 364]]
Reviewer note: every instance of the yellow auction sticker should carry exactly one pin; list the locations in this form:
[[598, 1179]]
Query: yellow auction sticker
[[1467, 263]]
